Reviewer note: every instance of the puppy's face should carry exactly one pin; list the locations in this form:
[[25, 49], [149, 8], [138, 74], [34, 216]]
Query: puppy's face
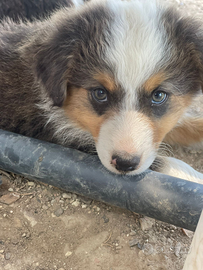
[[131, 76], [127, 127]]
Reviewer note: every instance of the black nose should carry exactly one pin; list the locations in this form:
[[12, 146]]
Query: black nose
[[125, 165]]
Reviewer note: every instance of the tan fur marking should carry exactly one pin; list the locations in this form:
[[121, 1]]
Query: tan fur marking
[[106, 81], [154, 81], [164, 125], [79, 110], [189, 132]]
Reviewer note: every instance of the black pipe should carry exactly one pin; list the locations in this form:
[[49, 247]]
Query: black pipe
[[159, 196]]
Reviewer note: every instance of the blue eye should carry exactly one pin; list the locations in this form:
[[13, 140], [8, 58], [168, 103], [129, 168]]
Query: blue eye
[[99, 94], [159, 97]]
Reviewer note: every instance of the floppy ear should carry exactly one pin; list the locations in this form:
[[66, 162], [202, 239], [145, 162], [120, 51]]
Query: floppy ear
[[195, 37], [51, 65], [186, 33]]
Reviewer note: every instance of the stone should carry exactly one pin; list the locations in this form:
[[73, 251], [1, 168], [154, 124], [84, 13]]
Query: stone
[[58, 212], [133, 242], [177, 249], [106, 219], [74, 196], [44, 207], [68, 253], [76, 203], [7, 256], [9, 198], [146, 223], [31, 184], [66, 196]]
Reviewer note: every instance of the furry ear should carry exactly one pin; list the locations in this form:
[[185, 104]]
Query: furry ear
[[186, 33], [51, 68]]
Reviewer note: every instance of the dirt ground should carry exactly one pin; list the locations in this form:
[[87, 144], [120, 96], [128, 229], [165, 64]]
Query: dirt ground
[[43, 228]]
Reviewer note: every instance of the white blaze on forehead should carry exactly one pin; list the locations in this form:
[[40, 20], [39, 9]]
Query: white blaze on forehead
[[138, 43]]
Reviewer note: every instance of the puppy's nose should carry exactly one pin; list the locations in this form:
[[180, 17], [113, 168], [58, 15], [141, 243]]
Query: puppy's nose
[[125, 165]]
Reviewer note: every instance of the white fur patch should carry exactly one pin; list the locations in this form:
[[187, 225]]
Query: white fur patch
[[177, 168], [139, 44]]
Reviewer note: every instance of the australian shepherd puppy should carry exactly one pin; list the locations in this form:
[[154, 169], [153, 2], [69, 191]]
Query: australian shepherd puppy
[[113, 76]]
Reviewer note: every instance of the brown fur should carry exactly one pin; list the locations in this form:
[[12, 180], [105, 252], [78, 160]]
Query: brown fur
[[153, 82], [165, 124], [189, 132], [106, 81], [77, 102]]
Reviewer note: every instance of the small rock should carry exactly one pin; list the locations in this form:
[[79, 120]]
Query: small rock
[[68, 253], [177, 249], [10, 189], [188, 233], [1, 251], [170, 241], [7, 256], [74, 197], [146, 223], [133, 242], [140, 246], [9, 198], [86, 200], [118, 247], [52, 202], [76, 203], [173, 227], [98, 209], [44, 207], [84, 206], [24, 235], [31, 184], [106, 219], [66, 196], [132, 233], [58, 212], [61, 269]]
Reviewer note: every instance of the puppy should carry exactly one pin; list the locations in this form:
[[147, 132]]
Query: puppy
[[115, 77]]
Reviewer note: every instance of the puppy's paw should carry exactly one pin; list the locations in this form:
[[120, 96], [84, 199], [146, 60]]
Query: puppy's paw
[[177, 168]]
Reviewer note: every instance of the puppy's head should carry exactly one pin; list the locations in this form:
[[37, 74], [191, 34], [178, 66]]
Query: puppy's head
[[123, 71]]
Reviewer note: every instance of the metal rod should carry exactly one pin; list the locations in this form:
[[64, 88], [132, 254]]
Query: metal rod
[[159, 196]]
